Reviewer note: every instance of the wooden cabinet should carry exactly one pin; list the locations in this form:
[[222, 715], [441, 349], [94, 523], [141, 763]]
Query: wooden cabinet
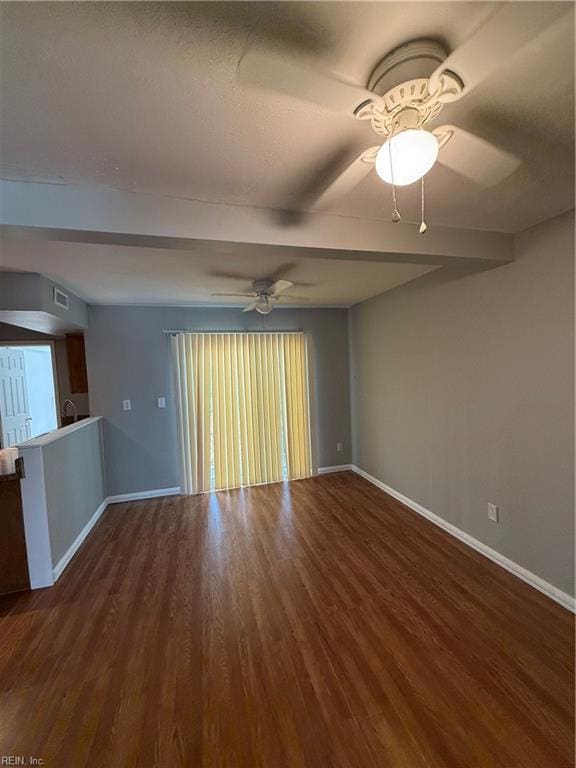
[[13, 557], [76, 355]]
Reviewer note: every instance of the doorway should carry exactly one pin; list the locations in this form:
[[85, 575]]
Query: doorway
[[27, 392]]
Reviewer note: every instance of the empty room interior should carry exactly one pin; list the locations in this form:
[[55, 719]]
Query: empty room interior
[[287, 384]]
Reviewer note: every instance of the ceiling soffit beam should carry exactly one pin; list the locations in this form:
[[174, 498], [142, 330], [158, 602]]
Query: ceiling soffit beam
[[10, 234], [83, 214]]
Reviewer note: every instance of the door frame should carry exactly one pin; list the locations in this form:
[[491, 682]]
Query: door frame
[[41, 343]]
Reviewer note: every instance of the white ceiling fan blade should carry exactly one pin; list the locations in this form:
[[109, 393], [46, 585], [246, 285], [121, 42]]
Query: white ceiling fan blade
[[348, 179], [251, 306], [279, 286], [509, 28], [473, 157], [277, 73], [244, 295]]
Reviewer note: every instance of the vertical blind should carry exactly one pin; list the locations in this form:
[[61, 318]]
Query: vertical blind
[[243, 406]]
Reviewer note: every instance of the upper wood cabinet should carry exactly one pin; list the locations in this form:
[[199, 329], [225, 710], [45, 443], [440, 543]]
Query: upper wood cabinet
[[76, 355]]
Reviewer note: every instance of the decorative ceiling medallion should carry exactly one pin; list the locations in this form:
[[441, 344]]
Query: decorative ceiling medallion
[[401, 82], [388, 113]]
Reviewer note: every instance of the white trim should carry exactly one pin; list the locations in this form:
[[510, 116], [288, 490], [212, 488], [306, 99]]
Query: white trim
[[335, 468], [564, 599], [35, 516], [175, 491], [75, 546]]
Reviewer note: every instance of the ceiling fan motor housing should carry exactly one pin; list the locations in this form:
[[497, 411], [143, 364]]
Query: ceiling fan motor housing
[[400, 83], [262, 286], [412, 61]]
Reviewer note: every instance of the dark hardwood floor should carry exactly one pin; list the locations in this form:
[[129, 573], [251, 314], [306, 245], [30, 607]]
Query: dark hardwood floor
[[317, 623]]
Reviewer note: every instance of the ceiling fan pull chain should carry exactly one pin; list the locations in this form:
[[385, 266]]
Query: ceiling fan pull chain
[[423, 225], [395, 213]]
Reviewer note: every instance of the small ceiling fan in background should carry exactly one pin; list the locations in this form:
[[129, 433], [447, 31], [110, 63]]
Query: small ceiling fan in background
[[406, 91], [265, 294]]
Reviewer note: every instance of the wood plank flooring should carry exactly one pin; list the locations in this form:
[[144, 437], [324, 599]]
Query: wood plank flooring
[[317, 623]]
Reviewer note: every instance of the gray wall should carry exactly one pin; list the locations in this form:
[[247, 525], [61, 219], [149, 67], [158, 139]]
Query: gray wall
[[33, 293], [463, 393], [75, 487], [128, 357]]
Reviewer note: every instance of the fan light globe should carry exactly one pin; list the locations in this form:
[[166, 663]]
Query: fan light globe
[[265, 306], [413, 151]]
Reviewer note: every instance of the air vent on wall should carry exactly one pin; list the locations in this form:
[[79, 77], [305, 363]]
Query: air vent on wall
[[61, 299]]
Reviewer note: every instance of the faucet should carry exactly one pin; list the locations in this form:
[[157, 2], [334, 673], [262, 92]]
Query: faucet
[[64, 411]]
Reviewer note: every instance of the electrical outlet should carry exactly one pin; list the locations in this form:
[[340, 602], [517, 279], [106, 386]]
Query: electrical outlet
[[126, 405], [493, 513], [161, 402], [339, 447]]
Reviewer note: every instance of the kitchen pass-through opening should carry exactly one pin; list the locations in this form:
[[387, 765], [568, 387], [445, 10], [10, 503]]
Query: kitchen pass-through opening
[[27, 392]]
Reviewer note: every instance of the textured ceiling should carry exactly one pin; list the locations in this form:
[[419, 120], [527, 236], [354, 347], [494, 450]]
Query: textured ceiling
[[105, 274], [143, 96]]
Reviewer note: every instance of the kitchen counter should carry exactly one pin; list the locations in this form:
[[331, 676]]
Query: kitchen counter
[[8, 469], [57, 434]]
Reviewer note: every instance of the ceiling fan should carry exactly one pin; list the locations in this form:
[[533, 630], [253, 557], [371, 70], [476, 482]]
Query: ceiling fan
[[264, 295], [408, 90]]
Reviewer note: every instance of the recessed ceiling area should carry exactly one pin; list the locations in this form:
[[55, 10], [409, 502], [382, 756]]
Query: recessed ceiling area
[[112, 274]]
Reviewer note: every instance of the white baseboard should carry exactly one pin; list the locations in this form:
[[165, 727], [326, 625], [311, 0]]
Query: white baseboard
[[61, 565], [78, 540], [535, 581], [335, 468], [538, 583], [154, 494]]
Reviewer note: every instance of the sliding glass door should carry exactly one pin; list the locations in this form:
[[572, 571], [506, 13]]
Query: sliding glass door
[[243, 406]]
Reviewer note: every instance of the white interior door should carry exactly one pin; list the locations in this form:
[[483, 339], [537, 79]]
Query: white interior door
[[14, 413]]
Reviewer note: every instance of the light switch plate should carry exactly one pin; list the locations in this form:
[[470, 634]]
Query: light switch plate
[[493, 513], [339, 447], [161, 402], [126, 405]]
